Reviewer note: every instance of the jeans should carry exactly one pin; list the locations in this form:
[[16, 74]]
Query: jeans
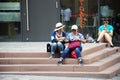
[[58, 45], [67, 50]]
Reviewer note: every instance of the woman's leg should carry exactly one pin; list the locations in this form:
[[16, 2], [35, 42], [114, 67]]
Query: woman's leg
[[53, 48], [108, 38], [65, 53], [78, 52], [101, 35], [60, 47]]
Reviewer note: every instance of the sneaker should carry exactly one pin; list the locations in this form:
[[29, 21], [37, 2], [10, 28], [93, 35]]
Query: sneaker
[[80, 62], [61, 52], [51, 56], [59, 63]]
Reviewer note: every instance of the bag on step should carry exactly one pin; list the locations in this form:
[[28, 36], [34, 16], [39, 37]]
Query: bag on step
[[73, 54], [48, 47]]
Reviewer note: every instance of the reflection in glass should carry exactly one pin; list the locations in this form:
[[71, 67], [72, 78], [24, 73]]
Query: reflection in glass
[[10, 16], [10, 28], [9, 6], [90, 9]]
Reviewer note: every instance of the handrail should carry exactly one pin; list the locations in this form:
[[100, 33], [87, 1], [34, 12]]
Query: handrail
[[27, 15]]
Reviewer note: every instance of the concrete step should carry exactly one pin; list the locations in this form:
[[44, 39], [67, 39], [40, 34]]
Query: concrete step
[[31, 65], [24, 54], [36, 61], [87, 49], [99, 60], [104, 63], [93, 47], [95, 56], [107, 73], [30, 61]]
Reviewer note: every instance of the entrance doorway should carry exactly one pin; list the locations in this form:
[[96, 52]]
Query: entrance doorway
[[10, 28]]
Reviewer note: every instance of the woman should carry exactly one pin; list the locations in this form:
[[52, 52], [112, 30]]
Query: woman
[[105, 33], [73, 36], [57, 39]]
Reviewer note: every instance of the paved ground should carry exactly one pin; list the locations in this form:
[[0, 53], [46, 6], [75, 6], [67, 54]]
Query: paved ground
[[35, 47], [33, 77], [23, 46]]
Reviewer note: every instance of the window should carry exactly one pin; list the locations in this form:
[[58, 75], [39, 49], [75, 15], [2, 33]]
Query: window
[[10, 20]]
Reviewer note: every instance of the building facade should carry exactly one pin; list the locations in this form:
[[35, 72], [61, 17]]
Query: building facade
[[33, 20]]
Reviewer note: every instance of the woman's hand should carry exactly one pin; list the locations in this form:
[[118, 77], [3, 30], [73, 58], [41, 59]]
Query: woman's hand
[[61, 39], [77, 39], [111, 33], [105, 31]]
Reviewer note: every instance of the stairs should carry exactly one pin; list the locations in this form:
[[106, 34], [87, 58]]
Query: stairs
[[99, 60]]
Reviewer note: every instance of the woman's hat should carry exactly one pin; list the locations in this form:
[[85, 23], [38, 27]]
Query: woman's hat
[[59, 26], [74, 27]]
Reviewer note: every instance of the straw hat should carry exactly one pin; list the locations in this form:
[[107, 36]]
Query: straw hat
[[59, 26]]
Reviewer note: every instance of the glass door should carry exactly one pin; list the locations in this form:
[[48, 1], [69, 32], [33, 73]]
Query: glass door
[[83, 13], [10, 28]]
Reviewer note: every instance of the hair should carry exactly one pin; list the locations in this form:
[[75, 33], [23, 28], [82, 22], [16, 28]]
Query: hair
[[105, 22]]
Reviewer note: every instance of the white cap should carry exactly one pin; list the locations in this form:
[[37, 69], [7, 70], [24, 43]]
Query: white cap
[[74, 27]]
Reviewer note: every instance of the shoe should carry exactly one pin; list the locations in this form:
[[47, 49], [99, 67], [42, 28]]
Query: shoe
[[59, 63], [61, 52], [51, 56], [111, 46], [97, 41], [80, 62]]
